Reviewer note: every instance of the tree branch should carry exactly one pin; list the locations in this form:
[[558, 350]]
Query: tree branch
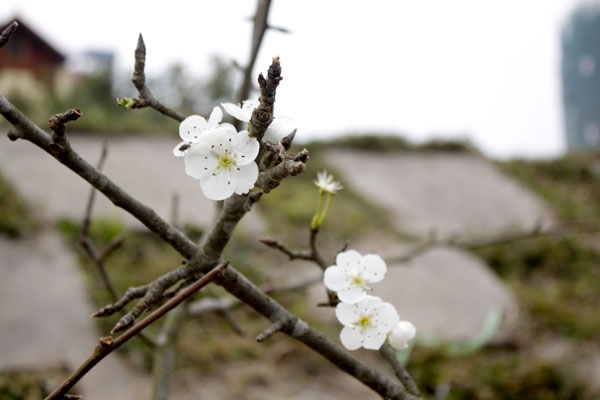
[[501, 239], [389, 354], [260, 26], [208, 256], [146, 97], [7, 33], [108, 345]]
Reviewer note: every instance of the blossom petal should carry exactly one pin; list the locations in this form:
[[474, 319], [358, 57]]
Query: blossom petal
[[387, 317], [278, 129], [335, 278], [373, 267], [248, 107], [352, 294], [346, 313], [199, 161], [401, 335], [351, 338], [236, 112], [246, 176], [348, 260], [191, 127], [373, 339], [218, 187], [247, 147], [215, 118]]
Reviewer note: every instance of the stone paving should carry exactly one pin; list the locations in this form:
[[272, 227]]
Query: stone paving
[[447, 293]]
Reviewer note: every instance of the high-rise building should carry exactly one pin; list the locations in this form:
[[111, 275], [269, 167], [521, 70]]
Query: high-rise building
[[581, 77]]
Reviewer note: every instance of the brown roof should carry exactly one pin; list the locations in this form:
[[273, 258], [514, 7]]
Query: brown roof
[[23, 31]]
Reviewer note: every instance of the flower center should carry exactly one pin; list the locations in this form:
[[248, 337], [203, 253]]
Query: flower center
[[358, 280], [225, 162], [364, 322]]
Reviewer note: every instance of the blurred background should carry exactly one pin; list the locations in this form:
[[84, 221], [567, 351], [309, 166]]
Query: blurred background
[[465, 134], [490, 72]]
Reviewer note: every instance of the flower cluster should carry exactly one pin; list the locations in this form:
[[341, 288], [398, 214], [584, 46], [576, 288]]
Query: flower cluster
[[368, 321], [221, 158]]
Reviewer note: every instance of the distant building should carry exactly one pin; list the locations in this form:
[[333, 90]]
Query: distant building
[[30, 67], [581, 77]]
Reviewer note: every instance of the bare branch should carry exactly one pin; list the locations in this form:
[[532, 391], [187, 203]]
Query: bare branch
[[131, 294], [108, 345], [84, 239], [57, 122], [313, 255], [164, 354], [262, 116], [505, 238], [236, 284], [146, 98], [7, 33], [209, 255], [260, 26], [270, 331], [389, 354], [271, 178], [154, 295]]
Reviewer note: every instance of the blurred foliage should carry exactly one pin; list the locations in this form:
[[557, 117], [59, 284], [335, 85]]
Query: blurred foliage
[[30, 384], [494, 375], [382, 142], [556, 281], [96, 96], [16, 217], [570, 183]]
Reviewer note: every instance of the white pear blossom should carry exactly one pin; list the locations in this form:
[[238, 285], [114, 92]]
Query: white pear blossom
[[366, 323], [401, 334], [275, 132], [325, 183], [351, 274], [191, 128], [223, 160]]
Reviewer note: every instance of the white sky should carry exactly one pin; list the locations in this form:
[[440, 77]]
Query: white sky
[[487, 70]]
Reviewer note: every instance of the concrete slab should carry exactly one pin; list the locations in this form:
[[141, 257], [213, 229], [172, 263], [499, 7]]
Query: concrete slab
[[45, 318], [145, 166], [446, 193]]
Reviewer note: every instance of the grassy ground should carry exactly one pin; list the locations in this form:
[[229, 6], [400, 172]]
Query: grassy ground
[[557, 283], [556, 280], [16, 217]]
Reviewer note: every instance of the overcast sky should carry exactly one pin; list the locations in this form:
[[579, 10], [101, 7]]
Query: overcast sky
[[487, 70]]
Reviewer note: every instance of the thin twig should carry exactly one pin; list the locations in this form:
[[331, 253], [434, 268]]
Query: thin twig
[[271, 330], [146, 98], [84, 238], [208, 255], [389, 354], [260, 26], [57, 122], [312, 255], [502, 239], [7, 33], [163, 355], [108, 345]]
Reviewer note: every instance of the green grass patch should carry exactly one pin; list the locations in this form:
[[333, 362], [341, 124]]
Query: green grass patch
[[494, 375], [30, 384], [289, 209], [385, 143], [16, 216]]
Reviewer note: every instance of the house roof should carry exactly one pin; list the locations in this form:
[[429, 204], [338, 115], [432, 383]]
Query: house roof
[[23, 30]]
